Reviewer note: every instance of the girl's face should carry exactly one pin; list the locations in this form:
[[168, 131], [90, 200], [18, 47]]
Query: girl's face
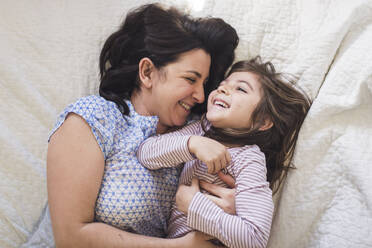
[[179, 86], [231, 105]]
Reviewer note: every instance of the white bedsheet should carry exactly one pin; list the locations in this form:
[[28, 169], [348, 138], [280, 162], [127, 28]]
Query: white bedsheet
[[49, 57]]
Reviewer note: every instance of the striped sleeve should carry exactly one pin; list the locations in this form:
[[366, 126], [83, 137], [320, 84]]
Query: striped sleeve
[[168, 150], [250, 227]]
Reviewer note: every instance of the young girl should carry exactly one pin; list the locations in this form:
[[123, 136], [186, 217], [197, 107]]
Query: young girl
[[251, 127]]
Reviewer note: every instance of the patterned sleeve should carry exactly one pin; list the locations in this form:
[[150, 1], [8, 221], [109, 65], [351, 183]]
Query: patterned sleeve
[[168, 150], [250, 227], [101, 116]]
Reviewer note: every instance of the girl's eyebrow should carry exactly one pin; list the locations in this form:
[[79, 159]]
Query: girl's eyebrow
[[248, 83]]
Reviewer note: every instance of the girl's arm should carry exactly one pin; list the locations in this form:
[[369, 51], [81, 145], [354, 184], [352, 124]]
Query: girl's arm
[[250, 227], [186, 144], [75, 165], [167, 150]]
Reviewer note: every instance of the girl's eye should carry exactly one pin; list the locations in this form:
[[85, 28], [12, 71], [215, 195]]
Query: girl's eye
[[241, 89]]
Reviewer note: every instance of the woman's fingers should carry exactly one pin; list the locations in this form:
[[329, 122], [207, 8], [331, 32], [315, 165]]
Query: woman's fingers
[[205, 236], [195, 183], [216, 200], [197, 239], [185, 194], [229, 180], [223, 197], [214, 189], [223, 204]]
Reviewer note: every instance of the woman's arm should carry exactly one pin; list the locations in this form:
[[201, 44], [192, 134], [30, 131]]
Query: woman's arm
[[254, 207], [75, 167]]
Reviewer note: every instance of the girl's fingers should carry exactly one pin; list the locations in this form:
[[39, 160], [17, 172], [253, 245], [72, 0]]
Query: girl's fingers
[[221, 164], [210, 167], [217, 165], [228, 157]]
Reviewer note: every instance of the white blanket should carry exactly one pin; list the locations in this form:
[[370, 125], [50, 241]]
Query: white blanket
[[49, 57]]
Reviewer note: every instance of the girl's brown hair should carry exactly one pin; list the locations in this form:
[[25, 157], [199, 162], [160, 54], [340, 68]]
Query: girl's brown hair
[[281, 103]]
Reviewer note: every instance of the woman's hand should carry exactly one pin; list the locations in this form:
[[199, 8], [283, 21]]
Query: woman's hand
[[211, 152], [196, 239], [223, 197], [185, 194]]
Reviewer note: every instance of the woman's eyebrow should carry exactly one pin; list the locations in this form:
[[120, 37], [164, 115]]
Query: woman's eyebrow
[[248, 83], [196, 73]]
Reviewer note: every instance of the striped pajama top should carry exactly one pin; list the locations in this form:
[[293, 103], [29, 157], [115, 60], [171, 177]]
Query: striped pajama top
[[250, 227]]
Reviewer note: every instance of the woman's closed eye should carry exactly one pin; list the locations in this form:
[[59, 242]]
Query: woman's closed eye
[[190, 80]]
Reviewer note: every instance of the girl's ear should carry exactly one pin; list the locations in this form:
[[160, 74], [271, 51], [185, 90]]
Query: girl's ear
[[267, 125], [145, 72]]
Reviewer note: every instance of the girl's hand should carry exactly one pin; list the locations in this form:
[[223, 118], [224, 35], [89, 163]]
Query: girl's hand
[[196, 239], [185, 194], [211, 152], [223, 197]]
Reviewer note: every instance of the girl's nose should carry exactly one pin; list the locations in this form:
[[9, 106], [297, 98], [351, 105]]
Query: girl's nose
[[223, 89]]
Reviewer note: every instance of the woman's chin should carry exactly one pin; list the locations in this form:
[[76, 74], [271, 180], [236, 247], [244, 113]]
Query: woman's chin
[[178, 122]]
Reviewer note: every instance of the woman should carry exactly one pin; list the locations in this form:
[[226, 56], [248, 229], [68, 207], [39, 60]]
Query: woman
[[155, 71]]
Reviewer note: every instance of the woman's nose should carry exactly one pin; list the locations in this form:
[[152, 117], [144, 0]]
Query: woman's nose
[[199, 93]]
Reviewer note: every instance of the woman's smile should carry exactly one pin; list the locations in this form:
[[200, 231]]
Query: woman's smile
[[185, 106]]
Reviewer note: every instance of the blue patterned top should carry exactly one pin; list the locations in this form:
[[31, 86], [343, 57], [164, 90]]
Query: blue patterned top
[[132, 197]]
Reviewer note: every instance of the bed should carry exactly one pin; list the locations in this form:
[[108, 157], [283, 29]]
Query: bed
[[49, 57]]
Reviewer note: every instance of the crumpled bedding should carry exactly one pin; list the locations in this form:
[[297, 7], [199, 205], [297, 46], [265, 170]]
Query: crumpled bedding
[[49, 57]]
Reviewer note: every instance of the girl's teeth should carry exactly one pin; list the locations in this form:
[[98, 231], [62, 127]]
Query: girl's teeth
[[222, 104]]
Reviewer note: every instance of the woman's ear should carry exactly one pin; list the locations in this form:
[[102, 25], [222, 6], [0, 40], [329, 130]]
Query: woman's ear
[[267, 125], [145, 72]]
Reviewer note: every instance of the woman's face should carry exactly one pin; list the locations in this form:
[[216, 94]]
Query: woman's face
[[231, 105], [178, 86]]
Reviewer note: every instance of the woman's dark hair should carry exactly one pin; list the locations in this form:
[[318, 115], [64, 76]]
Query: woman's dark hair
[[281, 103], [161, 35]]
